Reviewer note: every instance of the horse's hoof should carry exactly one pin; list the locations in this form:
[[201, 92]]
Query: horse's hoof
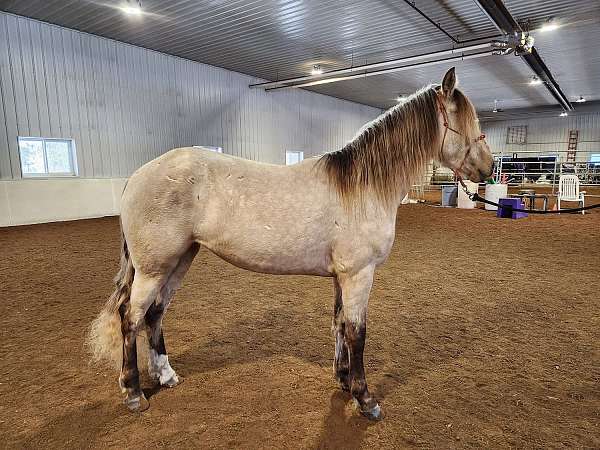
[[136, 403], [175, 380], [375, 413]]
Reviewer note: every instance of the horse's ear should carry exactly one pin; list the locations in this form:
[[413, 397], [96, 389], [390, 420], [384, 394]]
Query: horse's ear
[[449, 82]]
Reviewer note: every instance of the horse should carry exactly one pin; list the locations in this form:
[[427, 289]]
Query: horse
[[330, 216]]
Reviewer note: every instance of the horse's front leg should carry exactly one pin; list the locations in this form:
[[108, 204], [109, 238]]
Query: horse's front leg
[[355, 298], [341, 359]]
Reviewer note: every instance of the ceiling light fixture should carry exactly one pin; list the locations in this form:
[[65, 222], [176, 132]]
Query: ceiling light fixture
[[549, 25], [316, 70], [133, 8], [535, 81], [563, 114], [581, 99]]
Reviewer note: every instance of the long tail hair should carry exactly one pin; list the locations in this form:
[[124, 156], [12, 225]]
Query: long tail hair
[[105, 339]]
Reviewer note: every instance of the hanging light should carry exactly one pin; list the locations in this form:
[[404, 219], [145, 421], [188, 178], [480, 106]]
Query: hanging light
[[563, 114], [549, 25], [132, 8], [581, 99], [316, 70], [535, 81], [401, 97]]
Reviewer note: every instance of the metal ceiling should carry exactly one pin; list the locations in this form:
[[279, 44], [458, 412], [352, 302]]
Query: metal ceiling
[[274, 39]]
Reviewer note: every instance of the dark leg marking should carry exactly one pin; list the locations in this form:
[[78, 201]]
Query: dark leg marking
[[130, 375], [341, 361], [158, 362], [155, 334], [355, 338]]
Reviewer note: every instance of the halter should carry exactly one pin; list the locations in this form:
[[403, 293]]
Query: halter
[[447, 127]]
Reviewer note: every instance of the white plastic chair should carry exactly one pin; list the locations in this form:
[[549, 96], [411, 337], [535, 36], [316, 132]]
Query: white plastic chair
[[568, 191]]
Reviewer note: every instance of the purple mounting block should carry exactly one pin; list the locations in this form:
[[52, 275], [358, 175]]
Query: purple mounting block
[[507, 212]]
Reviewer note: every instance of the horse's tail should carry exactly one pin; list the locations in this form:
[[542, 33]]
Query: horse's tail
[[105, 339]]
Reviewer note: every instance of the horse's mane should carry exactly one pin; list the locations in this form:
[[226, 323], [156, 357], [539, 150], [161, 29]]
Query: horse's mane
[[390, 151]]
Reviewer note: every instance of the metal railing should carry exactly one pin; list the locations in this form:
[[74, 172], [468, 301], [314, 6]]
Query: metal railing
[[530, 167], [526, 168]]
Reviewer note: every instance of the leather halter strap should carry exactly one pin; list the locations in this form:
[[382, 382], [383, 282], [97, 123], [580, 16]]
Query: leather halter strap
[[447, 127]]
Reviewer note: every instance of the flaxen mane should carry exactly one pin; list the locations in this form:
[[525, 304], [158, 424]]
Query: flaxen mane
[[392, 150]]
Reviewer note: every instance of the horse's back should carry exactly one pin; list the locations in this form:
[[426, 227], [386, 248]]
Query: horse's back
[[228, 204]]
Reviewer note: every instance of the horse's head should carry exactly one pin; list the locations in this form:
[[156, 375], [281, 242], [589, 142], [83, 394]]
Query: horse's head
[[463, 147]]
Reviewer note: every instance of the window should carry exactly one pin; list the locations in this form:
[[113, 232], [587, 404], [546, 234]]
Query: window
[[595, 158], [517, 135], [208, 147], [42, 157], [293, 157]]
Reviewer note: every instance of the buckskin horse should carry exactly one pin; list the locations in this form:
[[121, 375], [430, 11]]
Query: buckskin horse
[[331, 216]]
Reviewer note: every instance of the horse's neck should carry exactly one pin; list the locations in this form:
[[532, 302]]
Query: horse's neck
[[408, 165]]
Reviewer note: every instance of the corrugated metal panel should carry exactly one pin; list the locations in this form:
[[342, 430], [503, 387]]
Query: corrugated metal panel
[[125, 105], [281, 38], [548, 135]]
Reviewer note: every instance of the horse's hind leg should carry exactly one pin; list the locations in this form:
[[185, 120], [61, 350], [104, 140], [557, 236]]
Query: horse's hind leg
[[341, 361], [158, 361], [355, 298], [144, 290]]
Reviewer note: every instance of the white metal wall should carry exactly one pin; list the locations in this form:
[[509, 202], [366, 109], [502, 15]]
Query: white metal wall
[[124, 105], [548, 134]]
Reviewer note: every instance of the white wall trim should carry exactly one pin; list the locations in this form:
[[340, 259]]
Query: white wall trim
[[27, 201]]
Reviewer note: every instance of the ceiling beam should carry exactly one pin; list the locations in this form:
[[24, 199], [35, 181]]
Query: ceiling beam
[[450, 59], [363, 69], [506, 23], [537, 112]]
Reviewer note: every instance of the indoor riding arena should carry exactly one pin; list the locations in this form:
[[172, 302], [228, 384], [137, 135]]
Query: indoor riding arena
[[299, 224]]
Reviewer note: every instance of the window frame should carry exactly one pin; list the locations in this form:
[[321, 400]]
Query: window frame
[[298, 152], [72, 158], [212, 148], [516, 131]]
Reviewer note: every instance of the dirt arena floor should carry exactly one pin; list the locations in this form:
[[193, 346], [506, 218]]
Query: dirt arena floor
[[482, 332]]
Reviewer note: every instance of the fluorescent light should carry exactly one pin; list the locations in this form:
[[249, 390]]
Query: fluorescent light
[[549, 25], [134, 9], [316, 70], [535, 81], [581, 99], [563, 114]]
